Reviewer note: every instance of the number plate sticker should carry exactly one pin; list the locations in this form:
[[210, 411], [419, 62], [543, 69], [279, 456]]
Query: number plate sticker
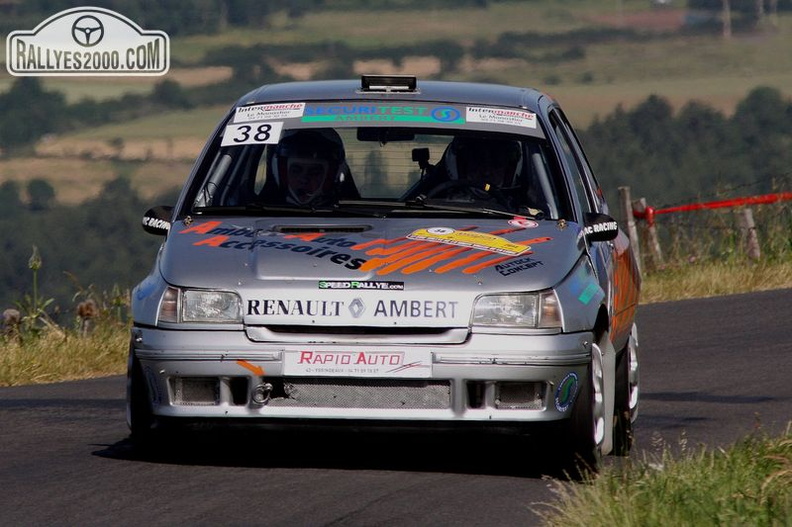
[[388, 364], [252, 134]]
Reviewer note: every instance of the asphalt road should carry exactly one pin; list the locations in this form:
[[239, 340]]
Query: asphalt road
[[712, 371]]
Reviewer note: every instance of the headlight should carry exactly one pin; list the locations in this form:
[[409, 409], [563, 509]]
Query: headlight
[[194, 305], [519, 310]]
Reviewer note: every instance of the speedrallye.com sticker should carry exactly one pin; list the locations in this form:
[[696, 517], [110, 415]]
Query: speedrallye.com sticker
[[87, 41]]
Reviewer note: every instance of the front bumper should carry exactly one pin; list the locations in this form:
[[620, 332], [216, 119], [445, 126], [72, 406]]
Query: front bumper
[[490, 378]]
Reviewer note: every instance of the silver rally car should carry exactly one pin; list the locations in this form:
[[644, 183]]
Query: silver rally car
[[390, 252]]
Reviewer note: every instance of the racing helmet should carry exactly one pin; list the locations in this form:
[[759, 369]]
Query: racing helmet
[[496, 162], [307, 165]]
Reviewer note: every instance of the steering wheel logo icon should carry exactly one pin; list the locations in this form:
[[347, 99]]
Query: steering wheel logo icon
[[87, 31]]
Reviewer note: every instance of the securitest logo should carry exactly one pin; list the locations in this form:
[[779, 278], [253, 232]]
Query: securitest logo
[[87, 41]]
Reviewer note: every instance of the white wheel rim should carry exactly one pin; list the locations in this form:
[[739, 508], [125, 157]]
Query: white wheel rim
[[598, 386], [633, 375]]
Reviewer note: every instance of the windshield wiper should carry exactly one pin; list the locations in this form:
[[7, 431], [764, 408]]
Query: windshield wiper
[[257, 208], [441, 205], [253, 209]]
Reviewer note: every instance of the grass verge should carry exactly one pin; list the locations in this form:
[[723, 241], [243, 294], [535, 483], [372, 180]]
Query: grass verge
[[61, 355], [748, 484], [700, 280]]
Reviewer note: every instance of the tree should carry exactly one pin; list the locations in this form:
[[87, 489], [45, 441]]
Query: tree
[[10, 201], [41, 195], [27, 112]]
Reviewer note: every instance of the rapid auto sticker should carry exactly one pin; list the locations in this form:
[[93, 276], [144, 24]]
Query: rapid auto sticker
[[502, 116], [409, 363], [432, 251]]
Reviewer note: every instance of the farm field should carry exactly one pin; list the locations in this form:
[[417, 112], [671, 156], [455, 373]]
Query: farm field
[[679, 67]]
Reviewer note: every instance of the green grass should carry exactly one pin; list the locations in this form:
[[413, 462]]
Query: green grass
[[749, 484], [61, 355], [197, 124], [686, 281]]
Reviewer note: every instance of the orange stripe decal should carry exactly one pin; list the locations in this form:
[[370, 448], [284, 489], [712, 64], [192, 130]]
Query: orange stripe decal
[[257, 370]]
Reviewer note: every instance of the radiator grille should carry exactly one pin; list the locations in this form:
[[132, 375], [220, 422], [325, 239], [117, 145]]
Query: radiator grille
[[195, 391], [362, 393]]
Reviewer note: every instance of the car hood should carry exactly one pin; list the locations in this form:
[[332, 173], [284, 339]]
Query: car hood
[[292, 269]]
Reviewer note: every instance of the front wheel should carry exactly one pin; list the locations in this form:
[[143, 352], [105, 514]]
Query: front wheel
[[586, 426], [139, 415]]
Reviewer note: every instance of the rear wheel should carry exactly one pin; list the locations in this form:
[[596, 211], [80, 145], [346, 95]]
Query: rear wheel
[[626, 400]]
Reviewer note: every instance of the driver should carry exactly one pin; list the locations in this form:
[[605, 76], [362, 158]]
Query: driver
[[307, 165], [487, 164]]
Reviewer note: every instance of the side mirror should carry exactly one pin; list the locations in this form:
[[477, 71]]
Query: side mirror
[[600, 227], [157, 220]]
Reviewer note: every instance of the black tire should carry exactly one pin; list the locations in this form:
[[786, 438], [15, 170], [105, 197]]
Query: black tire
[[582, 456], [625, 408], [140, 417]]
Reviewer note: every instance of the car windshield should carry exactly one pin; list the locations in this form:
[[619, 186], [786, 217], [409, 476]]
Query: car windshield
[[382, 170]]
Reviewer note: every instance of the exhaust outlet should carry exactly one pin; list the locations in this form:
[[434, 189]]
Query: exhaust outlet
[[261, 394]]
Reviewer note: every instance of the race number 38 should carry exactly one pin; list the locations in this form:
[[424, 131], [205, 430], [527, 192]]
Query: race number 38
[[251, 134]]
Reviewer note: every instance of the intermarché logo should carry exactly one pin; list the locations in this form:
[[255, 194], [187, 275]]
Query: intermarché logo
[[87, 41]]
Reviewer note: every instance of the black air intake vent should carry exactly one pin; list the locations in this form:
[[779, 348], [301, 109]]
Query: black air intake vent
[[330, 229]]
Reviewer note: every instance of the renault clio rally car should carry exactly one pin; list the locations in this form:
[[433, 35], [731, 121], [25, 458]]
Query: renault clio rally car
[[390, 252]]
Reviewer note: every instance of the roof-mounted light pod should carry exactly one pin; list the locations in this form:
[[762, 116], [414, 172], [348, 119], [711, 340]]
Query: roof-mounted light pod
[[388, 83]]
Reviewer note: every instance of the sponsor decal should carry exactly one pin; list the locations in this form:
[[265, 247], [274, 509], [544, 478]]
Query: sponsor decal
[[566, 392], [229, 238], [146, 287], [311, 308], [605, 226], [588, 293], [87, 41], [255, 369], [523, 223], [157, 223], [585, 286], [361, 284], [269, 112], [390, 309], [408, 363], [382, 112], [503, 116], [416, 309], [516, 266], [476, 240], [385, 256], [252, 134]]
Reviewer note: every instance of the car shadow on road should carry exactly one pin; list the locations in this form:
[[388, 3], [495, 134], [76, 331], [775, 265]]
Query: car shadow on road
[[466, 453]]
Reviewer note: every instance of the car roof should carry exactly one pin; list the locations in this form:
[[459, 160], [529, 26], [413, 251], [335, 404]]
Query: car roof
[[426, 91]]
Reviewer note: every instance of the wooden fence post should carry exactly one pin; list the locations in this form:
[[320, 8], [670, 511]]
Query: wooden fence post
[[652, 241], [748, 236], [625, 201]]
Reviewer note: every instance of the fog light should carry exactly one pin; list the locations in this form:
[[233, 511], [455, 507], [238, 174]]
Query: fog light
[[261, 394]]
